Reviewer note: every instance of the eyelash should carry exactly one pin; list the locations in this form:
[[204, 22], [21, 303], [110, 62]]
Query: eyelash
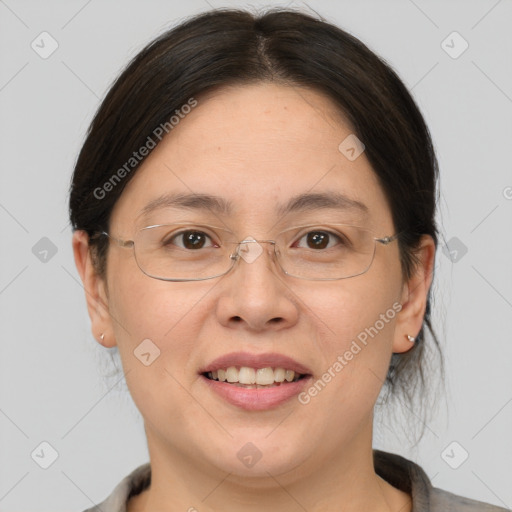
[[323, 231], [181, 233], [329, 233]]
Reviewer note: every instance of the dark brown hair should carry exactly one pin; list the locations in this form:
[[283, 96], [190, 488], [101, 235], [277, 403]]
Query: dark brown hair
[[232, 47]]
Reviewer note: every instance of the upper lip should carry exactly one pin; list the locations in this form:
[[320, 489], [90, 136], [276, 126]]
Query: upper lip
[[256, 361]]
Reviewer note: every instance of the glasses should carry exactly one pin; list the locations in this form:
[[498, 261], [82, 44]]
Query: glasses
[[195, 252]]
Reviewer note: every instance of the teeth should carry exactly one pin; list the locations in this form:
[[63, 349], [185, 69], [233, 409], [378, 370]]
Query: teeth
[[248, 376], [251, 376], [279, 374], [263, 376], [232, 374]]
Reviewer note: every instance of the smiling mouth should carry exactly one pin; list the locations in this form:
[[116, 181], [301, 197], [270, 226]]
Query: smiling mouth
[[254, 378]]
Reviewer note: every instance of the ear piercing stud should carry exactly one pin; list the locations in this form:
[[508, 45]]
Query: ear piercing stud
[[412, 339], [102, 336]]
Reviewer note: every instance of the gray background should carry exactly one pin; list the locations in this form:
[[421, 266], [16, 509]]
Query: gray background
[[53, 384]]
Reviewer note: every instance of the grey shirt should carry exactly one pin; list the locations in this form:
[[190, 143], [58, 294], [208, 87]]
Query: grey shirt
[[398, 471]]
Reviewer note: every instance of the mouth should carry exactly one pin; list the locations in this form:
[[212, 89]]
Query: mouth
[[255, 382], [254, 378]]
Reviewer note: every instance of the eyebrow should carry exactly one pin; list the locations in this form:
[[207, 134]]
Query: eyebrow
[[300, 203], [322, 200], [189, 201]]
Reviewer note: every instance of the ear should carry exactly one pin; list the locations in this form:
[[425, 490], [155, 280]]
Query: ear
[[95, 290], [414, 296]]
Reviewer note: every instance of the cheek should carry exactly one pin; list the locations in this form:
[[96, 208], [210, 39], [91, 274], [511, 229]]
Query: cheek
[[354, 333], [151, 316], [142, 307], [156, 325], [356, 310]]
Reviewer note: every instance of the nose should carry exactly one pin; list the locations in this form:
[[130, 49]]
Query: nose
[[253, 293]]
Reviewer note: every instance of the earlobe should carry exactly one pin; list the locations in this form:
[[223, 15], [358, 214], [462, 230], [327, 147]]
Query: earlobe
[[414, 297], [95, 290]]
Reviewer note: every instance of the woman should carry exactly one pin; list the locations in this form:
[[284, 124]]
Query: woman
[[253, 211]]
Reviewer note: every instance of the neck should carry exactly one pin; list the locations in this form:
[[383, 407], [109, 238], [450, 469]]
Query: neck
[[345, 481]]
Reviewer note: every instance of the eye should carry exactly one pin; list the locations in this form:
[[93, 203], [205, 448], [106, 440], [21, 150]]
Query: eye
[[190, 239], [320, 240]]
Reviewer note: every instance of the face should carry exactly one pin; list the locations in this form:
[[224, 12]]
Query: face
[[256, 147]]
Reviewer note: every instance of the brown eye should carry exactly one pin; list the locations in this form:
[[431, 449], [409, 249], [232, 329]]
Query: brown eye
[[190, 239], [319, 240]]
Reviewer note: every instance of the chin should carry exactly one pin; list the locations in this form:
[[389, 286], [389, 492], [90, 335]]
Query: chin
[[261, 455]]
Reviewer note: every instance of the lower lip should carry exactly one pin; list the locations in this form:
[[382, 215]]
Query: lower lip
[[256, 399]]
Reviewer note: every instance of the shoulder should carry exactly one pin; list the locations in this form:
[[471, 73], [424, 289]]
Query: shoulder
[[412, 479], [134, 483], [445, 501]]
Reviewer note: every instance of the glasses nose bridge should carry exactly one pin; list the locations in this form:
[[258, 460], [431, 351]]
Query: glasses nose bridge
[[250, 249]]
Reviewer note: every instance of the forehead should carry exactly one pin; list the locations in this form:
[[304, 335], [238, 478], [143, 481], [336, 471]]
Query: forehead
[[257, 146]]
